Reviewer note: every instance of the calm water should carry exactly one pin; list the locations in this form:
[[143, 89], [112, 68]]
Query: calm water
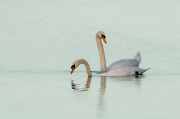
[[41, 39]]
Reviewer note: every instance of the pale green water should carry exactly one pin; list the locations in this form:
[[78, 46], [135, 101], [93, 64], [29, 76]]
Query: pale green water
[[40, 40]]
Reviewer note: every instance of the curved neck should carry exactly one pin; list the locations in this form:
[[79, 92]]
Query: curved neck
[[82, 61], [101, 55]]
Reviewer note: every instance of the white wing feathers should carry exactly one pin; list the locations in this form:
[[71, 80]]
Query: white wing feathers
[[138, 57]]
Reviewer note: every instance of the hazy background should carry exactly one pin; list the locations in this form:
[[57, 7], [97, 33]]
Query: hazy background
[[40, 39]]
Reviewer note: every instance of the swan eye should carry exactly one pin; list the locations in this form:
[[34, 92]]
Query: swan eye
[[73, 66], [103, 36]]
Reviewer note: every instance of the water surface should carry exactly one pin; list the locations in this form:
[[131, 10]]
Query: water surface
[[41, 39]]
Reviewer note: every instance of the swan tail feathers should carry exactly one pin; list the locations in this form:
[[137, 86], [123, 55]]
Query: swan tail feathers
[[144, 70], [138, 57]]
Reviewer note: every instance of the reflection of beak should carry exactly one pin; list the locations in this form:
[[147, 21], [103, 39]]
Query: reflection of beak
[[104, 40], [72, 70], [72, 83]]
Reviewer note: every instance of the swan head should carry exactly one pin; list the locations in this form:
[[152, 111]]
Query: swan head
[[101, 35], [77, 63], [74, 65]]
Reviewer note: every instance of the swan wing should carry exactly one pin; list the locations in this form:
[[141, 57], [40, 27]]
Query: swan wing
[[123, 71], [138, 57], [124, 63]]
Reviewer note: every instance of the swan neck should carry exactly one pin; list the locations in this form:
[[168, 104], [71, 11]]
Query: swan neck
[[101, 55], [87, 66]]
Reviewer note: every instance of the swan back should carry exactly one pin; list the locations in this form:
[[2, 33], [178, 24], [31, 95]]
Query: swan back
[[124, 63]]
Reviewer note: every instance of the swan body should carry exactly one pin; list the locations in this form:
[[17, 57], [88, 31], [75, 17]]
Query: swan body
[[124, 71], [124, 63], [120, 71]]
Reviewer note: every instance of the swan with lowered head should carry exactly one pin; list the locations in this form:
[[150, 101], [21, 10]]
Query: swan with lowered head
[[121, 63], [120, 71]]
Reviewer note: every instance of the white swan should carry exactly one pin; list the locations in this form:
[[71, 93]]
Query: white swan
[[120, 71], [121, 63]]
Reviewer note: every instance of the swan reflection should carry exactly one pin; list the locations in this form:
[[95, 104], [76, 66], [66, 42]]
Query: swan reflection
[[135, 79], [101, 101], [78, 86]]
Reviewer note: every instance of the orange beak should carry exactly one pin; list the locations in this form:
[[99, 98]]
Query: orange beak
[[104, 40], [72, 70]]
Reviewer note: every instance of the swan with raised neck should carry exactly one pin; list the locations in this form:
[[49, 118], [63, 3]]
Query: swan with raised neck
[[121, 63]]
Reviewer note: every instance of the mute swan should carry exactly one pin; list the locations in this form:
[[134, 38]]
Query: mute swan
[[121, 63], [120, 71]]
